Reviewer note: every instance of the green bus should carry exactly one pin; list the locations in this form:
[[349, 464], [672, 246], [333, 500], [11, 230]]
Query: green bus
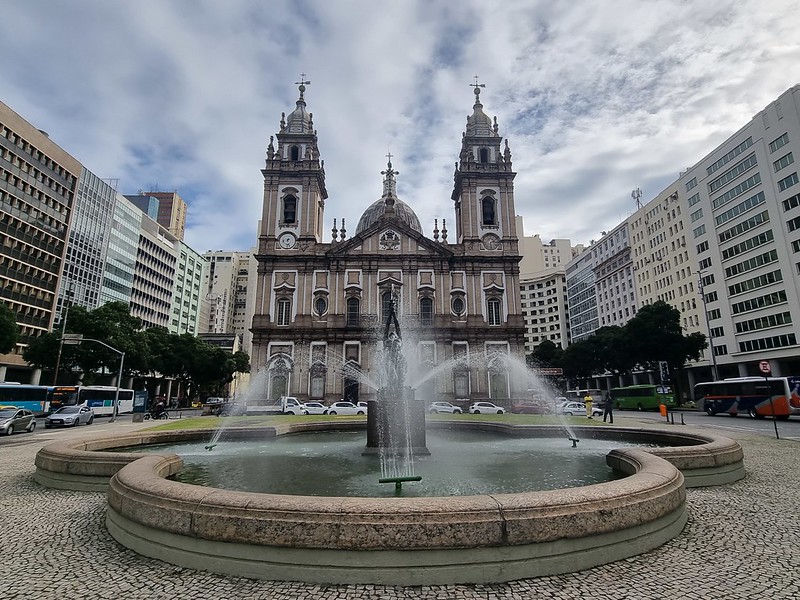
[[642, 397]]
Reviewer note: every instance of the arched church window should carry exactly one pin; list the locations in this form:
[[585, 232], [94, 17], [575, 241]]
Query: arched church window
[[284, 311], [494, 313], [290, 209], [487, 208], [426, 311], [353, 310], [483, 155], [294, 153]]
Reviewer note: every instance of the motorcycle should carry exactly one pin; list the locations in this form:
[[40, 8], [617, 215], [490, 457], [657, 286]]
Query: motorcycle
[[163, 415]]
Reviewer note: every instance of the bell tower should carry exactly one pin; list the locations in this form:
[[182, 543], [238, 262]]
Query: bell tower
[[294, 183], [483, 191]]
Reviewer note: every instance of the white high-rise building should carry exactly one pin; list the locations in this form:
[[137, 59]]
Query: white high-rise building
[[229, 288]]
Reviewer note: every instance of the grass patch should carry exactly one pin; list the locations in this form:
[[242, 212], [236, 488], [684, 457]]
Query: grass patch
[[209, 422]]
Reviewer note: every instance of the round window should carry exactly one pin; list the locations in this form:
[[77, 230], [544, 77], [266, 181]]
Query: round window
[[320, 305], [458, 305]]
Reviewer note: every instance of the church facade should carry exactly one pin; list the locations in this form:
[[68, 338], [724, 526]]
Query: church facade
[[320, 306]]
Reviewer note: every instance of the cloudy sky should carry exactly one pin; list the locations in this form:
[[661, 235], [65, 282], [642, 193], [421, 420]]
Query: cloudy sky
[[595, 97]]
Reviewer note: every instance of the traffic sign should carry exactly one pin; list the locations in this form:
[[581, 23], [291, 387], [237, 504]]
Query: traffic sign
[[763, 366], [549, 371]]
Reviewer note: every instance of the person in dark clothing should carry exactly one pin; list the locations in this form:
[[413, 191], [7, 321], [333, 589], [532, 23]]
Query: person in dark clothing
[[608, 409]]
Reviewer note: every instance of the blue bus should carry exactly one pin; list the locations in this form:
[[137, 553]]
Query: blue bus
[[35, 398]]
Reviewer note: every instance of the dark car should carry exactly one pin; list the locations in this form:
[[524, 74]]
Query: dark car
[[529, 408], [16, 419]]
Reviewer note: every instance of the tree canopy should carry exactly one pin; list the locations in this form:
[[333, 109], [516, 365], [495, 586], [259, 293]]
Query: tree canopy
[[9, 330], [149, 354], [653, 335]]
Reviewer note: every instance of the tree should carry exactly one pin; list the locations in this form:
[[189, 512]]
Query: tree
[[545, 354], [9, 330], [613, 350], [655, 335], [580, 360]]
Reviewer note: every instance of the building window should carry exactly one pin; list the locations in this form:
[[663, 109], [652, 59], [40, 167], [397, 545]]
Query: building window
[[779, 142], [483, 155], [294, 153], [426, 311], [353, 310], [788, 182], [284, 311], [488, 211], [320, 305], [386, 305], [458, 305], [783, 161], [495, 317], [290, 210]]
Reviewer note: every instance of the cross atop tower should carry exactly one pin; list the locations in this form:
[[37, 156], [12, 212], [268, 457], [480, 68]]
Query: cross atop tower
[[302, 83], [477, 85]]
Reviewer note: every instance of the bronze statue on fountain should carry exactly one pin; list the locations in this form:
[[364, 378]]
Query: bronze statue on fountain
[[396, 420]]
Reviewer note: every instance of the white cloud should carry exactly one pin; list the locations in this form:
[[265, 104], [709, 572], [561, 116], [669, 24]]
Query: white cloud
[[596, 98]]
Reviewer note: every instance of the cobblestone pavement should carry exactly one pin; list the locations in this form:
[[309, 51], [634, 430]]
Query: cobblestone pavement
[[741, 541]]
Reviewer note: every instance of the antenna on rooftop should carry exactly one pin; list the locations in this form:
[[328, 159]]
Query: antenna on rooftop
[[637, 197]]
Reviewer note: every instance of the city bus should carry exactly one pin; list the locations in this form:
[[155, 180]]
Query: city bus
[[63, 395], [98, 397], [756, 396], [579, 395], [642, 397], [35, 398]]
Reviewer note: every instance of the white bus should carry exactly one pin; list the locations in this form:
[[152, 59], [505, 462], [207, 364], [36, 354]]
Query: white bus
[[100, 398], [579, 395]]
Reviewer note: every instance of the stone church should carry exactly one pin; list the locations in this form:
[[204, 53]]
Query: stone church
[[320, 306]]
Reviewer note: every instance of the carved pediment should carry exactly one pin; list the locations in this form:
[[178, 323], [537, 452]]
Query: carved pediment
[[389, 237]]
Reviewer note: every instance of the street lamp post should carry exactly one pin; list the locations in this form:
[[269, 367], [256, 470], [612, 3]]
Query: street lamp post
[[77, 339], [708, 326]]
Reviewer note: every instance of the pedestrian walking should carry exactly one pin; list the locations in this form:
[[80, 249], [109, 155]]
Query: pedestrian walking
[[587, 401], [608, 409]]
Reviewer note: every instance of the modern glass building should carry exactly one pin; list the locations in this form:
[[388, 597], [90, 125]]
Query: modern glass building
[[89, 233], [121, 256]]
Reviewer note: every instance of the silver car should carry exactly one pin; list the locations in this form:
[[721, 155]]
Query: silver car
[[70, 416], [16, 419]]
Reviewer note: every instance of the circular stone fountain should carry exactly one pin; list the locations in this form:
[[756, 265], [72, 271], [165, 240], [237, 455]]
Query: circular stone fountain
[[397, 541]]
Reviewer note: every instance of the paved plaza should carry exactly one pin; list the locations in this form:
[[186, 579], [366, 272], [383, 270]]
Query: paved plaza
[[741, 541]]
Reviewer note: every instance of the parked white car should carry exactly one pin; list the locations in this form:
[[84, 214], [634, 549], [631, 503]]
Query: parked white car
[[444, 407], [345, 408], [315, 408], [486, 408], [579, 408]]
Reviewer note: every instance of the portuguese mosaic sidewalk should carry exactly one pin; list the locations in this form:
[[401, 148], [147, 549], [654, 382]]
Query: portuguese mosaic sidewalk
[[741, 542]]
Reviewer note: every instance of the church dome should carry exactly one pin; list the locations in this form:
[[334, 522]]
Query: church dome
[[377, 209], [389, 202]]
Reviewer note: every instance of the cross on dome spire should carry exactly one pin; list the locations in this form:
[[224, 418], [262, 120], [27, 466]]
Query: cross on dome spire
[[389, 182]]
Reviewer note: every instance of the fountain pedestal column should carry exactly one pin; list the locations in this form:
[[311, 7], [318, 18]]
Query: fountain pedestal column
[[396, 423]]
